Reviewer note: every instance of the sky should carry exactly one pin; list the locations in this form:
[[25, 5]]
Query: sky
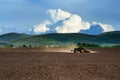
[[59, 16]]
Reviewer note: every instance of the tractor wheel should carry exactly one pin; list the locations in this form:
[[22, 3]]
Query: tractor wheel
[[82, 51], [75, 50]]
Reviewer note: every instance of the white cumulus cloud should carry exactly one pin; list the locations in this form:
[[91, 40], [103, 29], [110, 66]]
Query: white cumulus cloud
[[70, 23], [58, 14], [105, 27], [73, 25], [42, 27]]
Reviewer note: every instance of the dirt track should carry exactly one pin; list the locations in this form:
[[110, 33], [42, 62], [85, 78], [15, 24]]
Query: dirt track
[[35, 64]]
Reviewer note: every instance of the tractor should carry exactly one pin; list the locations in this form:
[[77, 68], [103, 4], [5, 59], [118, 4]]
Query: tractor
[[83, 50], [80, 49]]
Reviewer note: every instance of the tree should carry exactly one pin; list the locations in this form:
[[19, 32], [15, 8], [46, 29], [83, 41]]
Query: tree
[[30, 46], [24, 46], [11, 45]]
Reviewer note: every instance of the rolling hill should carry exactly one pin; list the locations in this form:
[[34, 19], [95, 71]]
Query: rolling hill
[[60, 39], [9, 37]]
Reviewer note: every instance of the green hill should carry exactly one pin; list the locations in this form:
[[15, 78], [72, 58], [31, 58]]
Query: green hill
[[110, 37], [55, 39], [35, 41], [16, 39], [9, 37]]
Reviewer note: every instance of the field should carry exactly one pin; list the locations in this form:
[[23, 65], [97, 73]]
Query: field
[[59, 64]]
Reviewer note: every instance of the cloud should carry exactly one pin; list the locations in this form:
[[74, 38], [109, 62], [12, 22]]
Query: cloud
[[105, 27], [58, 15], [97, 28], [94, 29], [73, 25], [42, 27], [65, 22]]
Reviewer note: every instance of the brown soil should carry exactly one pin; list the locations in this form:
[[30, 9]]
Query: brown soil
[[48, 64]]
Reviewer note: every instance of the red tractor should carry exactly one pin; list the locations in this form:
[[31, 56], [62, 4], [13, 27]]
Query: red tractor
[[83, 50], [80, 49]]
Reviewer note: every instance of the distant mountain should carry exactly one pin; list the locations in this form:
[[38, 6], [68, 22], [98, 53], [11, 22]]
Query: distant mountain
[[110, 37], [54, 39], [9, 37], [35, 41], [60, 39]]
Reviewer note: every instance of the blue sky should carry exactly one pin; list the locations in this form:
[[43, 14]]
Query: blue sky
[[30, 16]]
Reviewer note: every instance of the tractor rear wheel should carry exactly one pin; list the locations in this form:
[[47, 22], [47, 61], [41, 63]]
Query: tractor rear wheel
[[75, 50]]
